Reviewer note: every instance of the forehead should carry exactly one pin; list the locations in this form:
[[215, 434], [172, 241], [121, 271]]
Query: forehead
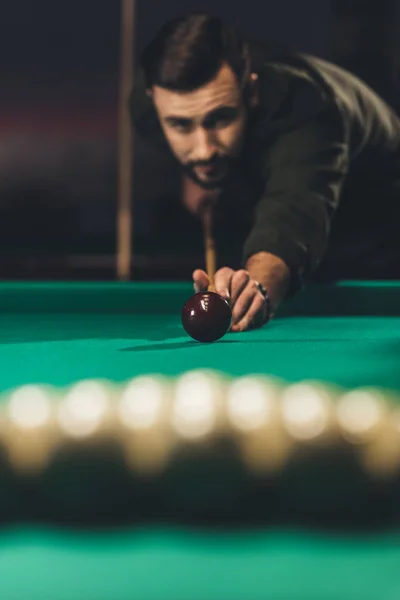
[[223, 90]]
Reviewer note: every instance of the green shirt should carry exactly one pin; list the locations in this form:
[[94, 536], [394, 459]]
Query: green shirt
[[322, 155]]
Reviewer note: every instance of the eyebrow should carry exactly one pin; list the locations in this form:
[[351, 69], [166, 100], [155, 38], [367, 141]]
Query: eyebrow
[[221, 112], [175, 120], [217, 113]]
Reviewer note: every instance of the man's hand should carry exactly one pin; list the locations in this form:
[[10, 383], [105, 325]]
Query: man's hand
[[249, 307]]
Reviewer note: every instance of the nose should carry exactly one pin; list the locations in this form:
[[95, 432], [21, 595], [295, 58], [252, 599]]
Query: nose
[[205, 145]]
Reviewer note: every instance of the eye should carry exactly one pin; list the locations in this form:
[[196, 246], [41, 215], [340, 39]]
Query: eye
[[224, 121], [182, 127]]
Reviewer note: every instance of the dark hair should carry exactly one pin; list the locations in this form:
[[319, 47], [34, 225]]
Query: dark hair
[[188, 52]]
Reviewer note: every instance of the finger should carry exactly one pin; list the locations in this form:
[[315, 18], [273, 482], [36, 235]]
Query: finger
[[239, 281], [250, 318], [242, 304], [222, 281], [200, 280]]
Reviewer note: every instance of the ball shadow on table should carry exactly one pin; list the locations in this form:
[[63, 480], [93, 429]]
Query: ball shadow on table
[[175, 345]]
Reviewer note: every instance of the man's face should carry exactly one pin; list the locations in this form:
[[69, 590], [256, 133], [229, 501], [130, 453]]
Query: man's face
[[204, 128]]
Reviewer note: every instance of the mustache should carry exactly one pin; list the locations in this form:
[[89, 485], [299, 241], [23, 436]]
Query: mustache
[[215, 161]]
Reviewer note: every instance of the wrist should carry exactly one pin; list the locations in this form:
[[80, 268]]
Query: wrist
[[273, 274]]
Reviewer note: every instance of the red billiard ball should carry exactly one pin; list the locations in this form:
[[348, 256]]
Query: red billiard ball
[[206, 316]]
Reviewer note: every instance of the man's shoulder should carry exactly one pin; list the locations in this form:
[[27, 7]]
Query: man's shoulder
[[271, 59], [291, 89], [287, 76]]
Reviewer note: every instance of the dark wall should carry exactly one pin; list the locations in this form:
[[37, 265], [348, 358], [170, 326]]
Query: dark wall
[[366, 40], [59, 39], [303, 25]]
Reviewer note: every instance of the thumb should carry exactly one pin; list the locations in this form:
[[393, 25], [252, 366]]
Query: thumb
[[200, 280]]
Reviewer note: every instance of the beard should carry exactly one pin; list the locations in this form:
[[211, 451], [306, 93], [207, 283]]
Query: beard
[[221, 172]]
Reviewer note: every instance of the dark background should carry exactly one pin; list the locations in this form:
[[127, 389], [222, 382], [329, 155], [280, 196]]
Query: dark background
[[59, 67]]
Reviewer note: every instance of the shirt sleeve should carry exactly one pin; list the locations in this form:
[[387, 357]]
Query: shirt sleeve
[[305, 170]]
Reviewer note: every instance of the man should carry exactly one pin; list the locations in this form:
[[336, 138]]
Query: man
[[319, 150]]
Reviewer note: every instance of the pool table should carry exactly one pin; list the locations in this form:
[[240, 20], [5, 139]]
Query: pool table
[[346, 333]]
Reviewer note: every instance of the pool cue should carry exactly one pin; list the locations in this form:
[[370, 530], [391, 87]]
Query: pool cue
[[125, 143], [209, 244]]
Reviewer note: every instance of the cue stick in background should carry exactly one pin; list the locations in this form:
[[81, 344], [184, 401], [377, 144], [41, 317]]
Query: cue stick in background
[[125, 143]]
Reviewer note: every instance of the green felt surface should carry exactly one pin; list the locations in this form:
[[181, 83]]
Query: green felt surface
[[58, 334], [58, 349]]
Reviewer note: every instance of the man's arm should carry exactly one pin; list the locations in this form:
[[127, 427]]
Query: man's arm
[[306, 170]]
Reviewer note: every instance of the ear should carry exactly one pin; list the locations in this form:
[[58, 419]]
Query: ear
[[254, 90]]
